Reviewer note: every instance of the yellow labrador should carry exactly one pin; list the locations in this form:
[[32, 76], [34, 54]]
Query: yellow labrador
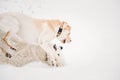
[[34, 31]]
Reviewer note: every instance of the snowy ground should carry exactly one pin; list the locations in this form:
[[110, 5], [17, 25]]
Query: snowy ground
[[94, 53]]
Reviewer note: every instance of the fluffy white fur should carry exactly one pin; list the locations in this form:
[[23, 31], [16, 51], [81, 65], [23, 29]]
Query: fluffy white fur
[[26, 53]]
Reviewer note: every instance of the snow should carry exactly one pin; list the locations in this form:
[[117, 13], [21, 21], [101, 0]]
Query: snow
[[93, 54]]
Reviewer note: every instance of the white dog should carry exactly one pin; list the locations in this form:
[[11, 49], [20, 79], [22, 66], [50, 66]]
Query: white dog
[[26, 53], [34, 31]]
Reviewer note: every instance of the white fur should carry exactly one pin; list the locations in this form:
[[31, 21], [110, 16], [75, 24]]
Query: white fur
[[27, 53]]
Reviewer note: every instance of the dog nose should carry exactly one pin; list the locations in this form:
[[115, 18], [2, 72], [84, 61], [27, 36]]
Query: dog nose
[[70, 40], [61, 47]]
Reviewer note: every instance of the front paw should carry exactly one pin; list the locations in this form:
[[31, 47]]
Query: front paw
[[8, 55], [50, 59], [54, 60]]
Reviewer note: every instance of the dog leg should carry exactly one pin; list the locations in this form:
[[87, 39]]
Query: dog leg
[[50, 59], [6, 53], [3, 50], [54, 60], [5, 40]]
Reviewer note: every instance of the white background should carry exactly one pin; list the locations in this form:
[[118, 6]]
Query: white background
[[94, 53]]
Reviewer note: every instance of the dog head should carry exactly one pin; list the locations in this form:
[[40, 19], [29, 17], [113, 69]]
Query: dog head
[[58, 54], [63, 33]]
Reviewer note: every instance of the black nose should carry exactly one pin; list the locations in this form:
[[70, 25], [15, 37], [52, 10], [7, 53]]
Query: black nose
[[61, 47]]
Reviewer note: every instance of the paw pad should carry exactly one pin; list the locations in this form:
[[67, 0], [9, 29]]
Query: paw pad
[[8, 55]]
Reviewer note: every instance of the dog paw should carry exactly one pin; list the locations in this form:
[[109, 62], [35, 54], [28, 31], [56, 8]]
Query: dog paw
[[50, 60], [8, 55], [54, 60], [59, 59]]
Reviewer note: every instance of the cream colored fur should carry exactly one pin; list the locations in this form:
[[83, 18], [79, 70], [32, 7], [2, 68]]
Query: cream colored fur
[[37, 32]]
